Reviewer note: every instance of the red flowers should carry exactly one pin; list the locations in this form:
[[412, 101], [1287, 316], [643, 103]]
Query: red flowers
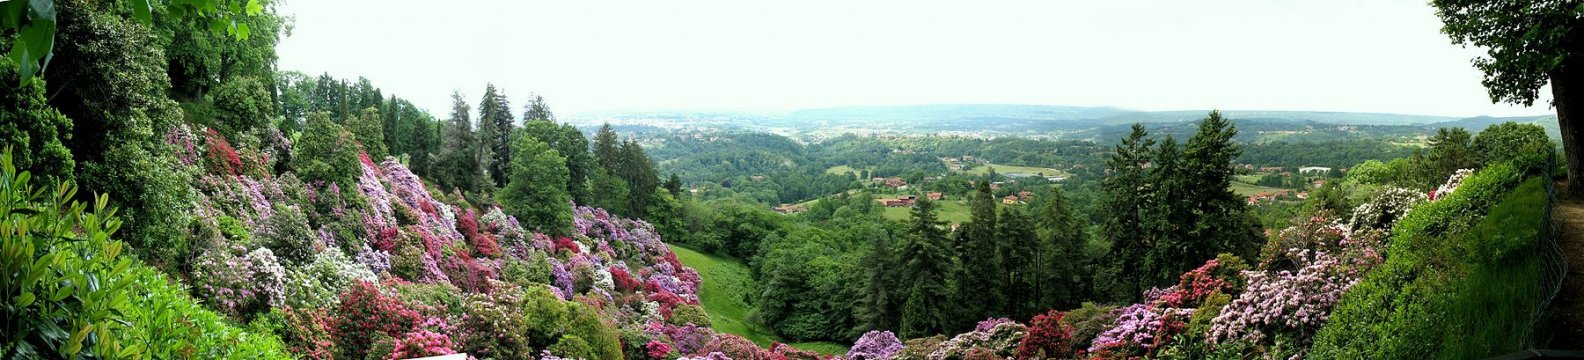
[[222, 158], [364, 313], [1048, 337], [624, 281], [562, 242]]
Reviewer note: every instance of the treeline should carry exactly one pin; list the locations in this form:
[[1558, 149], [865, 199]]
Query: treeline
[[1337, 154]]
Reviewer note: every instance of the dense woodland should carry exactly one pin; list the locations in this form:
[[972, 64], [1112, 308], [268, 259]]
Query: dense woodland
[[168, 192]]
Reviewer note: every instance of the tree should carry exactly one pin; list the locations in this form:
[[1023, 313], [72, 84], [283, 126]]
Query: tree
[[612, 189], [635, 167], [1014, 240], [1509, 141], [567, 140], [927, 263], [537, 191], [536, 109], [1528, 44], [240, 105], [1168, 214], [982, 272], [459, 162], [876, 308], [326, 152], [368, 127], [607, 149], [1216, 218], [673, 185], [1123, 207], [496, 128], [1058, 254], [34, 131], [1450, 150]]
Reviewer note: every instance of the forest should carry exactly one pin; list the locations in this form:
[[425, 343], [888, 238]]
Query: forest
[[169, 192]]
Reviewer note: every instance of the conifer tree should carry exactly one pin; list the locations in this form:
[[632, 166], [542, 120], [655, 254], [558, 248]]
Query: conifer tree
[[1167, 216], [1123, 206], [642, 178], [876, 308], [459, 161], [1217, 219], [367, 126], [1014, 239], [607, 149], [496, 127], [1057, 258], [536, 109], [982, 271], [674, 185], [926, 262]]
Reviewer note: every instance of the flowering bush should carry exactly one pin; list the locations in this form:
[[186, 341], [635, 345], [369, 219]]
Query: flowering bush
[[1048, 337], [421, 343], [287, 233], [658, 350], [875, 345], [1452, 184], [239, 285], [1139, 329], [1384, 208], [735, 347], [320, 282], [1000, 339], [493, 325], [364, 314], [222, 159]]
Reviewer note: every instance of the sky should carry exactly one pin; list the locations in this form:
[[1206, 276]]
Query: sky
[[589, 56]]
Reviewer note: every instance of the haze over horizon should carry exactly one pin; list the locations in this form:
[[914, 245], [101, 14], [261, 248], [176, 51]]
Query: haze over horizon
[[604, 56]]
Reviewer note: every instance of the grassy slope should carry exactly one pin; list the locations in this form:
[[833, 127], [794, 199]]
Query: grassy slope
[[1010, 169], [952, 211], [726, 283]]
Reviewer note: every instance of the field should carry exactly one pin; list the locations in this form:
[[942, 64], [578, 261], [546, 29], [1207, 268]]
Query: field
[[840, 170], [952, 211], [1009, 169], [726, 285], [1246, 189]]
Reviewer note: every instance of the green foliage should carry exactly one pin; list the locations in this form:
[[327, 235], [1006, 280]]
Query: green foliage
[[367, 127], [1457, 283], [327, 152], [170, 324], [568, 141], [1370, 172], [689, 314], [927, 262], [537, 193], [240, 105], [1520, 143], [34, 130], [288, 235], [496, 131], [1525, 41], [459, 167]]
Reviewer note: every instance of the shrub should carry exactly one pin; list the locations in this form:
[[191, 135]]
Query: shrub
[[241, 104], [326, 152], [572, 347], [1510, 141], [689, 314], [1089, 320], [287, 233], [1047, 338], [307, 331], [875, 345], [365, 313], [920, 348], [421, 343], [319, 283], [494, 325], [35, 129]]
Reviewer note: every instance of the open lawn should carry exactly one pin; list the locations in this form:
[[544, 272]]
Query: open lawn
[[952, 211], [1246, 189], [727, 284], [1010, 169], [840, 170]]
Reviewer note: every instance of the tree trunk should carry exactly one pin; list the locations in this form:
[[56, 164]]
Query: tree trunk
[[1569, 102]]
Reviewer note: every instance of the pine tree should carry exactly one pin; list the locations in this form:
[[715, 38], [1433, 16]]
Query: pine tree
[[537, 191], [1060, 252], [926, 263], [674, 185], [1014, 240], [876, 308], [982, 271], [536, 109], [1123, 206], [642, 179], [1218, 220], [1167, 216], [496, 127], [459, 161], [607, 149]]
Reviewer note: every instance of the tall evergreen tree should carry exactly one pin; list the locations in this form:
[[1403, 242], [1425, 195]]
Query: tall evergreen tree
[[1217, 219], [926, 263], [607, 149], [536, 109], [1167, 215], [982, 272], [459, 161], [1059, 254], [876, 308], [1124, 206], [642, 178], [537, 191], [1015, 238], [674, 185], [496, 127], [612, 190]]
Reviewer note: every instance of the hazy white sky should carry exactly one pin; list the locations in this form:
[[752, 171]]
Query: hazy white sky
[[590, 55]]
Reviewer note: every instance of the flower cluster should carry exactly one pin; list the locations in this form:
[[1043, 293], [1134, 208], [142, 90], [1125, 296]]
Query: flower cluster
[[1000, 338], [1048, 337], [1451, 184], [1384, 208], [421, 343], [875, 345]]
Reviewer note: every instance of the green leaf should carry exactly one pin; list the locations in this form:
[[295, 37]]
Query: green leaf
[[255, 7], [242, 31], [25, 300], [143, 11]]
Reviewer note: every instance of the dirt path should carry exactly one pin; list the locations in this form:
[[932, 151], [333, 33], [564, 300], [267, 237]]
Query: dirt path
[[1568, 307]]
